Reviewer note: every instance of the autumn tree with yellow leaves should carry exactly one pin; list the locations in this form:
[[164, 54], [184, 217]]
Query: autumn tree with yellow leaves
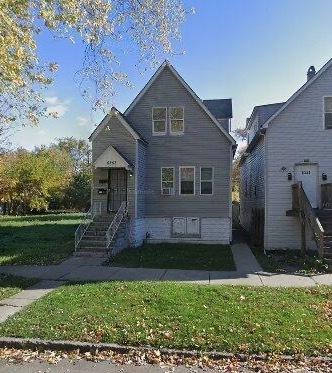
[[148, 25]]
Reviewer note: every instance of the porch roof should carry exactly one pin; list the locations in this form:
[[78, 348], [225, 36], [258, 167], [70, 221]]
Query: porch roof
[[112, 158]]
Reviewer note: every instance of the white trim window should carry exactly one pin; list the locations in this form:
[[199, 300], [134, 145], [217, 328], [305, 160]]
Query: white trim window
[[176, 120], [159, 121], [206, 180], [328, 113], [167, 180], [187, 180]]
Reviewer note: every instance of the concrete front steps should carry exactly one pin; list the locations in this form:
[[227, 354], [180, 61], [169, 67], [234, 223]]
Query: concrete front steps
[[93, 243]]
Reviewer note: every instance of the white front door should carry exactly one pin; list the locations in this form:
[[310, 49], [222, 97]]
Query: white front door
[[308, 173]]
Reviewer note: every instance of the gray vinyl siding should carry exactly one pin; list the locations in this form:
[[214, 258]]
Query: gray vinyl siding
[[140, 174], [252, 179], [116, 135], [296, 134], [202, 144]]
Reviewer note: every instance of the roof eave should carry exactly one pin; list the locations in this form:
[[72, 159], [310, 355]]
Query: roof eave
[[298, 92]]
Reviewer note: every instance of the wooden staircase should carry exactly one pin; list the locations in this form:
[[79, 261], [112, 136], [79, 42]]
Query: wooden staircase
[[325, 218], [319, 220]]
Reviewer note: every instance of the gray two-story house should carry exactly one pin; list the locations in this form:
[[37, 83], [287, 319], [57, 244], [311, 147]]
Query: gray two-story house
[[164, 167], [286, 171]]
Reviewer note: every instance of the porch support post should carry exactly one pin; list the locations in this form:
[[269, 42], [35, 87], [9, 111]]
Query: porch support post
[[303, 234]]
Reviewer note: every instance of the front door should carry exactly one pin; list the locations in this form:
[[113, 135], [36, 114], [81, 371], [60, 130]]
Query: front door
[[308, 174], [117, 188]]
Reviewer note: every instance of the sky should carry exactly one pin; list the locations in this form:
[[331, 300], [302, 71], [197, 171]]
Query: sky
[[255, 52]]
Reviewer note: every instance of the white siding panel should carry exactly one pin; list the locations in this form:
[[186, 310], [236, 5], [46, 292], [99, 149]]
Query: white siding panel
[[213, 230]]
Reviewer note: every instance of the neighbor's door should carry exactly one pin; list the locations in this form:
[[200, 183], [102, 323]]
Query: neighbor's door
[[117, 188], [308, 174]]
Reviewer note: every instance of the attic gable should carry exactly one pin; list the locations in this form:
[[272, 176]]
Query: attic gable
[[167, 65], [117, 114]]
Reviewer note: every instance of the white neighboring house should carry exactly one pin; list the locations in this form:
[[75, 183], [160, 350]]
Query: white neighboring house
[[286, 171]]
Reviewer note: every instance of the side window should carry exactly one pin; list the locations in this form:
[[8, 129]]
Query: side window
[[176, 120], [206, 180], [167, 181], [328, 113], [159, 119], [187, 180]]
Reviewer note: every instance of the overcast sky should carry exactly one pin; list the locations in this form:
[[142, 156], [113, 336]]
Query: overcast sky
[[255, 52]]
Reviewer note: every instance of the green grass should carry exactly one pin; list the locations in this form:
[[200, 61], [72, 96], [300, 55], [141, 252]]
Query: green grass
[[37, 239], [11, 285], [291, 261], [178, 256], [224, 318]]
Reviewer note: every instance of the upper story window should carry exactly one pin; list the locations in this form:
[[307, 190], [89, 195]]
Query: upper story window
[[167, 181], [328, 112], [176, 118], [159, 120], [187, 180], [206, 180]]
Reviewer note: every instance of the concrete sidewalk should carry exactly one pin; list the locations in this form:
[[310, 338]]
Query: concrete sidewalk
[[248, 272], [75, 268], [15, 303]]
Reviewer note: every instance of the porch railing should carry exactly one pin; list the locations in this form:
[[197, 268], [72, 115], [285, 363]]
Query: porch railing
[[94, 210], [114, 226], [326, 194], [307, 215]]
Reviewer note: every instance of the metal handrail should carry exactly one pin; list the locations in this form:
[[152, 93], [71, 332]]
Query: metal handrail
[[86, 221], [114, 226]]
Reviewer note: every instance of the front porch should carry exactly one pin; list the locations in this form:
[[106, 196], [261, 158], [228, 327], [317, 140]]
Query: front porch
[[113, 183], [318, 220]]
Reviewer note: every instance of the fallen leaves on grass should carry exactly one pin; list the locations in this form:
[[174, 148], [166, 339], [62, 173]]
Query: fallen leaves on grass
[[272, 363]]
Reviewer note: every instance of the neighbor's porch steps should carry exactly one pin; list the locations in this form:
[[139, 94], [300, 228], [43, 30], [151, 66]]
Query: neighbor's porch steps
[[325, 218]]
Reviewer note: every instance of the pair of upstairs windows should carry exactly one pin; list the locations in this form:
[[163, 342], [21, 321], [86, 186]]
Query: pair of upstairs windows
[[186, 180], [172, 117]]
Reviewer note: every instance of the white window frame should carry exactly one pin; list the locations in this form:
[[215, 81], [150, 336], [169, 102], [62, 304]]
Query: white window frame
[[161, 180], [154, 133], [187, 195], [324, 112], [200, 181], [170, 121]]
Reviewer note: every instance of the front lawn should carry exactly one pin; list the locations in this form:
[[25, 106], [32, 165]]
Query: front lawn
[[177, 256], [223, 318], [11, 285], [291, 261], [37, 239]]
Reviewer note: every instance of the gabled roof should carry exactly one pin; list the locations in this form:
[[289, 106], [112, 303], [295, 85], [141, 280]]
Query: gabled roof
[[280, 109], [116, 113], [164, 65], [110, 158], [298, 92], [220, 108]]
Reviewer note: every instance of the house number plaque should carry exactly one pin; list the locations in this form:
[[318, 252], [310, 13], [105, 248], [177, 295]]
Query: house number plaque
[[111, 163]]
